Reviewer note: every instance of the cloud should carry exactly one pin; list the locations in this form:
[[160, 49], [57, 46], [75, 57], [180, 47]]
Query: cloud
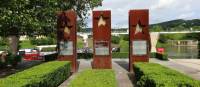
[[162, 4], [159, 10]]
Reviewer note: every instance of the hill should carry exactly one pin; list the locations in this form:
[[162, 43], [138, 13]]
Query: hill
[[176, 25]]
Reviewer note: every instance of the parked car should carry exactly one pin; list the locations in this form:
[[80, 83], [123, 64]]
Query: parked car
[[30, 54], [115, 49]]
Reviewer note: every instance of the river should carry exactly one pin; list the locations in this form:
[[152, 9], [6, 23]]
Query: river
[[183, 52]]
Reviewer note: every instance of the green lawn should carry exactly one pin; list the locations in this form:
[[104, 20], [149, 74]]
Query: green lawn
[[80, 43], [95, 78], [26, 44]]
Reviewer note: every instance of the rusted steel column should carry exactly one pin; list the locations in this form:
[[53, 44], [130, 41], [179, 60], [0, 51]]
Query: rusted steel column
[[102, 40], [140, 42], [66, 38]]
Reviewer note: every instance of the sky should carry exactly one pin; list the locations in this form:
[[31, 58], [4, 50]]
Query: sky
[[159, 10]]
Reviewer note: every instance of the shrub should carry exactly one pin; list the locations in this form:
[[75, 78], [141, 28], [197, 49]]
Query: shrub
[[51, 57], [153, 55], [159, 56], [95, 78], [2, 64], [120, 55], [49, 74], [162, 56], [155, 75], [124, 37], [115, 39], [13, 59], [49, 49], [43, 41], [84, 55]]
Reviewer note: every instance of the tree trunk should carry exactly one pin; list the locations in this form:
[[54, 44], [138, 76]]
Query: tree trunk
[[13, 44]]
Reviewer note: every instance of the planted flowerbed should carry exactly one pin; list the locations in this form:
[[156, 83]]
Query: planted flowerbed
[[94, 78], [155, 75], [49, 74]]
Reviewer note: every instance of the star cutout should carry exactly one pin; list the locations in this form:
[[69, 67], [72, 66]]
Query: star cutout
[[66, 30], [101, 22], [138, 29]]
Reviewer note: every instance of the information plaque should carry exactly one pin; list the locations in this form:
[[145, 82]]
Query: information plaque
[[66, 48], [101, 48], [139, 47]]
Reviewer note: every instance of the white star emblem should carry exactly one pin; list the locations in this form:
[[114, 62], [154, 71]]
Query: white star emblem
[[138, 29], [66, 30], [101, 22]]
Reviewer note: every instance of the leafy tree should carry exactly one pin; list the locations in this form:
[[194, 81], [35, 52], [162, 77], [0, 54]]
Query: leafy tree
[[157, 28], [37, 17], [115, 39]]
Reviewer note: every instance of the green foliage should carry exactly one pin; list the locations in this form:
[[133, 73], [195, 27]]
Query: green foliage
[[162, 56], [13, 59], [156, 28], [50, 57], [10, 60], [49, 74], [3, 44], [26, 44], [124, 46], [155, 75], [162, 42], [176, 25], [94, 78], [43, 41], [84, 55], [124, 37], [115, 39], [153, 55], [38, 17], [120, 55], [159, 56], [49, 49], [80, 43]]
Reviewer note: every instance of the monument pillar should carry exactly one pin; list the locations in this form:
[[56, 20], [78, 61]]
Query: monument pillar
[[66, 38], [140, 42], [102, 40]]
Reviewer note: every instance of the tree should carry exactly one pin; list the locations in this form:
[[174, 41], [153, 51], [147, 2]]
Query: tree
[[157, 28], [37, 17]]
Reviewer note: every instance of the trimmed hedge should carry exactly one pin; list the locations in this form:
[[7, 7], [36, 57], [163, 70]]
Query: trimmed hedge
[[51, 57], [84, 55], [114, 55], [120, 55], [155, 75], [49, 49], [49, 74], [162, 56], [159, 56], [94, 78]]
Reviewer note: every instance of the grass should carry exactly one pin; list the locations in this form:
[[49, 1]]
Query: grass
[[80, 43], [95, 78], [120, 55], [26, 44], [155, 75], [124, 46]]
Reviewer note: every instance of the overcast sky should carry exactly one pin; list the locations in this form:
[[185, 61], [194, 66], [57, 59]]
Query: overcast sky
[[159, 10]]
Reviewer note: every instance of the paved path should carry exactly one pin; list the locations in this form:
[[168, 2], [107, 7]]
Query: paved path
[[83, 64], [188, 67], [124, 78]]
